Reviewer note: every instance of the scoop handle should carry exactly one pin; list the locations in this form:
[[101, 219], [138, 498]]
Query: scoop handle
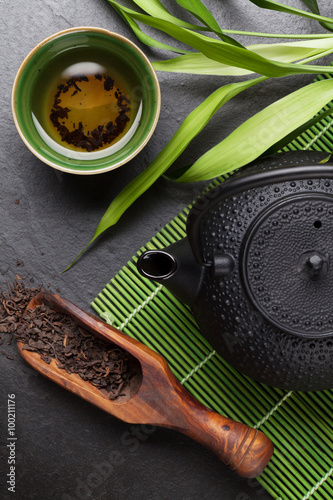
[[245, 450]]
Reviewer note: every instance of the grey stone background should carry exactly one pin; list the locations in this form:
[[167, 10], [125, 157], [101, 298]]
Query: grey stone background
[[66, 448]]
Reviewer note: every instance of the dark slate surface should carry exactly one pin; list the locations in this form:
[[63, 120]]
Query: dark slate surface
[[67, 449]]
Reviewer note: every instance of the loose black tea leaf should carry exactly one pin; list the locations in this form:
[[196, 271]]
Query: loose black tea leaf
[[87, 100], [13, 304], [55, 336]]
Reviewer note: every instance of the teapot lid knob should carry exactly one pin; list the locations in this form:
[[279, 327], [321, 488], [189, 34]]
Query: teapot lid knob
[[313, 265], [316, 262]]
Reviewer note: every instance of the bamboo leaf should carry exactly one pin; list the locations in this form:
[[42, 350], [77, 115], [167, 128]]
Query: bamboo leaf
[[278, 146], [273, 5], [313, 6], [198, 63], [164, 14], [290, 36], [227, 53], [156, 9], [144, 38], [200, 11], [190, 127], [261, 131]]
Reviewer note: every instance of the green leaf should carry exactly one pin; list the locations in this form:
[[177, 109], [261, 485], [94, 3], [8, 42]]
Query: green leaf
[[313, 6], [261, 131], [200, 11], [146, 39], [272, 5], [227, 53], [190, 127], [156, 9], [290, 36], [198, 63], [278, 146]]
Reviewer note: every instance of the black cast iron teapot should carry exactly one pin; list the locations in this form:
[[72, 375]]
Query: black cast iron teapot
[[256, 269]]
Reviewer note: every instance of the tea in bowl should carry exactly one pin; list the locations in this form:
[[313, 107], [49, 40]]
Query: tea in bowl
[[86, 100]]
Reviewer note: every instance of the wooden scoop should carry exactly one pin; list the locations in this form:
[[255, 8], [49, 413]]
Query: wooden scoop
[[156, 397]]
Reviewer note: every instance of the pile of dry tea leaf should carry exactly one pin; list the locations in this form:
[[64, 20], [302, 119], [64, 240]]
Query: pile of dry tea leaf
[[12, 306], [54, 335]]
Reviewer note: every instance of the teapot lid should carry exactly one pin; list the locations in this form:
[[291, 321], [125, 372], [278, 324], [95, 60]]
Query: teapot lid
[[283, 249], [287, 264]]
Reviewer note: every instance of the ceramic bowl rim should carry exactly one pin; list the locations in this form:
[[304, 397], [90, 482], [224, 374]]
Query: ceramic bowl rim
[[111, 34]]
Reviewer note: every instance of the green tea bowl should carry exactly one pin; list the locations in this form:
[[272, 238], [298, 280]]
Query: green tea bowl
[[86, 100]]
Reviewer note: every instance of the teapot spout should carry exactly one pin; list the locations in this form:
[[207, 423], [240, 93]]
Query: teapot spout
[[174, 267]]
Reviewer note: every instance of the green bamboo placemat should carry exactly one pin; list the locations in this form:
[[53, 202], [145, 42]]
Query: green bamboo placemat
[[299, 424]]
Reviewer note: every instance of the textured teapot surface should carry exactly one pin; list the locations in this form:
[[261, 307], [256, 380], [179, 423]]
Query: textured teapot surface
[[264, 241]]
